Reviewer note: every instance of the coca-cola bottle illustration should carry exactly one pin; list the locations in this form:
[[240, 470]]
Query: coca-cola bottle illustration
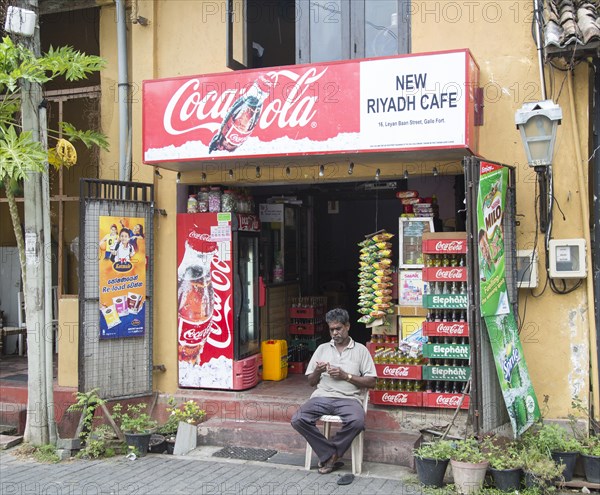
[[195, 295], [241, 118]]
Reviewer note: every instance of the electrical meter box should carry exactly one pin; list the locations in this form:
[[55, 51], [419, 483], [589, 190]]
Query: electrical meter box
[[527, 268], [567, 258]]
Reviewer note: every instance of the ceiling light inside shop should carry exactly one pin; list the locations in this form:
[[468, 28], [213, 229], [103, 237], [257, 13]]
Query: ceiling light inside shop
[[178, 177], [258, 172], [230, 173], [203, 177], [321, 170], [287, 171], [350, 168], [406, 174], [435, 172], [377, 174]]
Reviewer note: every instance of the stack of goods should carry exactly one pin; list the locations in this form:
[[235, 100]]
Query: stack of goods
[[413, 205], [375, 277]]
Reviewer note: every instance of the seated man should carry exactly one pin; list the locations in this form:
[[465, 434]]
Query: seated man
[[340, 369]]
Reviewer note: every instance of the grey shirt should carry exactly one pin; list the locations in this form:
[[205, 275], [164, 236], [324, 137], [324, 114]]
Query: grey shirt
[[354, 359]]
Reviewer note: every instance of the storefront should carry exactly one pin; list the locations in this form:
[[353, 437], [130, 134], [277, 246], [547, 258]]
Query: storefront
[[305, 164]]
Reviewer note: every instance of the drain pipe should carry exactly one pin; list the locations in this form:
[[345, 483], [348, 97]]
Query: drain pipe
[[537, 19], [123, 85]]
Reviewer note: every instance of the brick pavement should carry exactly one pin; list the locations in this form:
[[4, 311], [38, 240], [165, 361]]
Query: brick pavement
[[164, 474]]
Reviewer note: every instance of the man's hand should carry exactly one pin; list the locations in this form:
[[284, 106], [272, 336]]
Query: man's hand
[[337, 373]]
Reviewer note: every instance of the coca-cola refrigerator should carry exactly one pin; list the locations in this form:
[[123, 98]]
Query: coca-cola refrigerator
[[218, 294]]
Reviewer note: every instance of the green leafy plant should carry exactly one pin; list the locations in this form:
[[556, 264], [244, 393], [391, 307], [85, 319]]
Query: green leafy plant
[[188, 412], [542, 469], [100, 443], [468, 450], [550, 437], [87, 403], [440, 450], [502, 455], [591, 446], [46, 453], [134, 419]]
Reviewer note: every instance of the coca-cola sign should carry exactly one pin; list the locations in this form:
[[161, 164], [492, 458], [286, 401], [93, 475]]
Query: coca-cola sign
[[453, 328], [333, 107], [396, 371], [447, 400], [395, 398]]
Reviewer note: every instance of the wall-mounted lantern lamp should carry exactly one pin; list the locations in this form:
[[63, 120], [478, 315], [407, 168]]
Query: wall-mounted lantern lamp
[[537, 123]]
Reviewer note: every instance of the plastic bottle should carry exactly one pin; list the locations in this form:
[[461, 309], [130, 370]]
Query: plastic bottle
[[192, 204]]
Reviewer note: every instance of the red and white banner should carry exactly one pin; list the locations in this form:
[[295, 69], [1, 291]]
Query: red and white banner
[[402, 103]]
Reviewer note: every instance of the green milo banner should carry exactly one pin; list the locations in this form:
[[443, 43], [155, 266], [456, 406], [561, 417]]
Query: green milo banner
[[519, 396], [491, 202]]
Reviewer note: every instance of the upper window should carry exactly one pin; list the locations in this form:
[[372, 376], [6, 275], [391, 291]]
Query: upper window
[[266, 33]]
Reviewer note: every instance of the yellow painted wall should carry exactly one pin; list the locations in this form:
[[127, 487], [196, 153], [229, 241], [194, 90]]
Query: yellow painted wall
[[68, 342], [184, 38]]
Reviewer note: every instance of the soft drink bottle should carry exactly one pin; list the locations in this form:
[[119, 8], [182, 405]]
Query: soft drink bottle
[[241, 118]]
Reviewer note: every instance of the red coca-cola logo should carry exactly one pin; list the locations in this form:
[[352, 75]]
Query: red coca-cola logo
[[452, 274], [447, 400], [395, 398], [449, 246], [200, 242], [194, 335], [395, 371], [200, 106], [451, 329]]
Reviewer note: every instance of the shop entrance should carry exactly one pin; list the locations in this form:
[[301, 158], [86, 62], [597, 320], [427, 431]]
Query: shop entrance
[[334, 217]]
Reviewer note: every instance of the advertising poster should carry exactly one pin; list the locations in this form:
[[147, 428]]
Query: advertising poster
[[491, 202], [205, 300], [122, 277], [407, 102], [519, 396]]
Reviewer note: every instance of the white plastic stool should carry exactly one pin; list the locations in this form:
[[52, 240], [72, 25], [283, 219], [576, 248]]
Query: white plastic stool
[[357, 444]]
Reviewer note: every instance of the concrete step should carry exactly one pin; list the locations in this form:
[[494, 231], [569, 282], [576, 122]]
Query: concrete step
[[383, 446], [14, 415], [8, 441]]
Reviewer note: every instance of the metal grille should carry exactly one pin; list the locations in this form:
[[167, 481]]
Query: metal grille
[[245, 453], [119, 368], [486, 393]]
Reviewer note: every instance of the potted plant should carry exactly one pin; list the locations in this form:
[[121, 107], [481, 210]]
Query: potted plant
[[505, 464], [555, 441], [136, 425], [540, 469], [189, 412], [431, 461], [590, 454], [469, 466]]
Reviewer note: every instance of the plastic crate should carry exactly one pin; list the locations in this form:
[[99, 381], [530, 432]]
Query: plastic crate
[[396, 398], [444, 400]]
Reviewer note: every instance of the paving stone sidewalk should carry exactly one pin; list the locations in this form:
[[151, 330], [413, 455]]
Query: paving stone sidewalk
[[173, 475]]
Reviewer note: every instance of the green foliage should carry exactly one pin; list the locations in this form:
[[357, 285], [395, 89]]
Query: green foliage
[[439, 449], [46, 453], [87, 403], [502, 455], [100, 443], [540, 466], [550, 437], [19, 153], [591, 446], [188, 412], [468, 450], [133, 420]]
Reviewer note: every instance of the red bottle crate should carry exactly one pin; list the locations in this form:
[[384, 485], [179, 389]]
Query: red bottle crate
[[314, 312], [445, 274], [443, 400], [396, 398], [306, 328], [440, 245], [446, 328], [297, 367], [399, 371]]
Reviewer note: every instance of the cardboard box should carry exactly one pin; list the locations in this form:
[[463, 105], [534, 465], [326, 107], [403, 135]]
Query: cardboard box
[[411, 311]]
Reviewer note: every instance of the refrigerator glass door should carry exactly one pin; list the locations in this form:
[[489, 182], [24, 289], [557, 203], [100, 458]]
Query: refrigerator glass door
[[246, 296]]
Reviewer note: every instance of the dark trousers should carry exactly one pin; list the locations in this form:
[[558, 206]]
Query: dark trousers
[[353, 422]]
